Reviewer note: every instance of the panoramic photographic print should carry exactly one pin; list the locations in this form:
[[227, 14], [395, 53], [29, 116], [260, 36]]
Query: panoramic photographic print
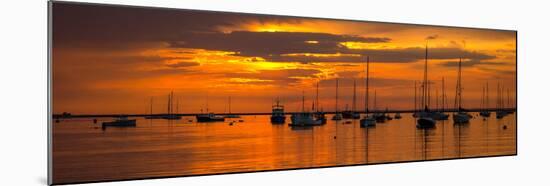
[[153, 92]]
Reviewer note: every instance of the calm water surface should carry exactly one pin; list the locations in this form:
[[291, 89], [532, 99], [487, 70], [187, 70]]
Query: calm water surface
[[82, 151]]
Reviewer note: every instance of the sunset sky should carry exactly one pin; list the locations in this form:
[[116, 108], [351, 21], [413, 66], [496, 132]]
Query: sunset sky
[[111, 60]]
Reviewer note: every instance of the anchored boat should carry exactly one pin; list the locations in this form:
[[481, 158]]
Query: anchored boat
[[460, 117], [209, 117], [278, 113], [121, 121], [230, 115], [485, 102], [304, 118], [425, 117], [367, 120], [337, 115]]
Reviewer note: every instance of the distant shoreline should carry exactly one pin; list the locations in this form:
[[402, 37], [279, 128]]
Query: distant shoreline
[[264, 113]]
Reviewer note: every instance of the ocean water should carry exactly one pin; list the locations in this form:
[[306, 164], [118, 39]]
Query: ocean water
[[83, 152]]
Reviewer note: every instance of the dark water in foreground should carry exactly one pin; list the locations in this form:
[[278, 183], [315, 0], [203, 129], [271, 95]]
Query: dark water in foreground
[[83, 152]]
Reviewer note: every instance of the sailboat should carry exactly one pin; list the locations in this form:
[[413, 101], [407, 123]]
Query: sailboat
[[415, 110], [368, 120], [319, 114], [171, 115], [425, 119], [304, 118], [231, 115], [352, 114], [460, 117], [121, 121], [510, 110], [337, 116], [500, 104], [440, 115], [379, 116], [151, 116], [278, 113], [209, 116], [485, 102]]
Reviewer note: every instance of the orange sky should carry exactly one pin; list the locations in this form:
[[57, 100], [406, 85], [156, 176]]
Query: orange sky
[[114, 59]]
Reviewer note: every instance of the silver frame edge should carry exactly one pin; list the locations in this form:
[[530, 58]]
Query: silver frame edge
[[49, 96]]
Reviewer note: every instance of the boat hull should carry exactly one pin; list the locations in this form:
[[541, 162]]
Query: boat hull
[[172, 117], [304, 120], [425, 122], [485, 114], [278, 119], [125, 123], [501, 114], [350, 115], [209, 119], [367, 122], [440, 116], [461, 118]]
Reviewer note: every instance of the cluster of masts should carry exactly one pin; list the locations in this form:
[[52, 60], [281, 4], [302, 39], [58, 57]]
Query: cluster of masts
[[426, 117]]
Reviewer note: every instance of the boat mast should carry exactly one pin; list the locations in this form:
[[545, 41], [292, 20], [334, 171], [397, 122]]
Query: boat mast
[[425, 81], [374, 98], [428, 97], [336, 107], [168, 105], [415, 96], [317, 98], [303, 102], [436, 99], [482, 99], [498, 96], [367, 88], [207, 111], [229, 104], [508, 95], [487, 97], [354, 98], [443, 94], [151, 105], [460, 84]]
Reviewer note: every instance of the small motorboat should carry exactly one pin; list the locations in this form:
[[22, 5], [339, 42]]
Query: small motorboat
[[425, 122], [367, 121], [121, 121], [461, 118], [210, 117], [278, 113], [304, 119]]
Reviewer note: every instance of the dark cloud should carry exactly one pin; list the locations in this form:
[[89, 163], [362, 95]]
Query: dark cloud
[[112, 27], [288, 47], [282, 77], [432, 37], [400, 55], [506, 51], [471, 63], [264, 44], [374, 82], [183, 64], [348, 74], [81, 25]]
